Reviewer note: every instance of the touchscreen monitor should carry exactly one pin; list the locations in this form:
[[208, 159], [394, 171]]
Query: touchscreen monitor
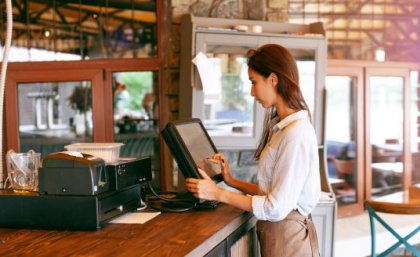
[[191, 146]]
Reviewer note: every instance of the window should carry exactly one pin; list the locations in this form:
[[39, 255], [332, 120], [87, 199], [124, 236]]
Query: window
[[54, 114]]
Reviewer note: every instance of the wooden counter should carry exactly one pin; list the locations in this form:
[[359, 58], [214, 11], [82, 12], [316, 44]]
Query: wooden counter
[[217, 232]]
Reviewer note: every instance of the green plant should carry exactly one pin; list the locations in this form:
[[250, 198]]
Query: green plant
[[81, 98], [138, 84]]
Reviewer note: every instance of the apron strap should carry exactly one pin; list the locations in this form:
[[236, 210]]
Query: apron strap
[[308, 224]]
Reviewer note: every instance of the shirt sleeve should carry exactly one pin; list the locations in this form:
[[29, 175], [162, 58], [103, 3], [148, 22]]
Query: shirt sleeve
[[291, 169]]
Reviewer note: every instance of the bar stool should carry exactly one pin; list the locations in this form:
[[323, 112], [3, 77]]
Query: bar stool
[[397, 203]]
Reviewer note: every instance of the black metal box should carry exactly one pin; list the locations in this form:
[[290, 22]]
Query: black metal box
[[34, 210], [128, 172]]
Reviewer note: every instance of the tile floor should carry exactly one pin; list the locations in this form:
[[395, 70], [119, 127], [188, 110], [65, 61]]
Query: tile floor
[[353, 234]]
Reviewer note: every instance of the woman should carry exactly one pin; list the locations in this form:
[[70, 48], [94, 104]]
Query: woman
[[288, 186]]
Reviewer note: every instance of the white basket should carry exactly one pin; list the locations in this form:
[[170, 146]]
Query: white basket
[[109, 152]]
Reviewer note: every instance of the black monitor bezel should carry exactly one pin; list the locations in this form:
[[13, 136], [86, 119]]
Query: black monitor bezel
[[180, 150]]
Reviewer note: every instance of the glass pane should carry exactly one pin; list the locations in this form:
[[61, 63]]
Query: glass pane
[[55, 30], [340, 138], [305, 60], [228, 105], [54, 114], [414, 130], [386, 133], [136, 114]]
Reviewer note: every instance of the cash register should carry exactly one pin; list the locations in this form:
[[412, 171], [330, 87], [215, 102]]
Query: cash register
[[76, 192]]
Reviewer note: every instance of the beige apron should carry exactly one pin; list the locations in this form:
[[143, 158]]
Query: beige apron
[[293, 236]]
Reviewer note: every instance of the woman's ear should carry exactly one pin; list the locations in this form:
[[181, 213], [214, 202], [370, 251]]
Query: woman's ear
[[274, 79]]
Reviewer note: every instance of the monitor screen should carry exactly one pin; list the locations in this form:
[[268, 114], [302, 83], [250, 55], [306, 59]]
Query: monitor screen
[[191, 146]]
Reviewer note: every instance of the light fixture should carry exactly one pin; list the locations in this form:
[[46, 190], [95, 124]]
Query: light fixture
[[380, 54]]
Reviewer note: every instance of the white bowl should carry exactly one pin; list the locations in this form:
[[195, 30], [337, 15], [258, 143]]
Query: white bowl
[[109, 152]]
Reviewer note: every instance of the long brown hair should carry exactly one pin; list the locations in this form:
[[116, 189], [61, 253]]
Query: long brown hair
[[276, 59]]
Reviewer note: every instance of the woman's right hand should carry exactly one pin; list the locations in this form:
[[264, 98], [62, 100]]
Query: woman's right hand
[[224, 167]]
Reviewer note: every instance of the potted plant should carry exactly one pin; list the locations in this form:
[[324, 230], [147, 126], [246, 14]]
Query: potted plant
[[81, 101]]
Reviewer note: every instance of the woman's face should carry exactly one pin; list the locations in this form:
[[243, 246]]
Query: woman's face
[[263, 89]]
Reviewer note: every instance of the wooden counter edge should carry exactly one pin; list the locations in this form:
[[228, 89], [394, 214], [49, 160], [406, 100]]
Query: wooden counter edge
[[222, 234]]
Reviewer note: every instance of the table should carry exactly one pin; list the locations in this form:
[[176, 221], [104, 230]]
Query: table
[[223, 231], [387, 175], [407, 202], [336, 182], [390, 167]]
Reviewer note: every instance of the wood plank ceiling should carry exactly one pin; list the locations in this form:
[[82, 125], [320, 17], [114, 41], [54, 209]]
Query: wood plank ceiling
[[357, 28]]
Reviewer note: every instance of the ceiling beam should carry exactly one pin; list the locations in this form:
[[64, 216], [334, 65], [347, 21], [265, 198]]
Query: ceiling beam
[[119, 4]]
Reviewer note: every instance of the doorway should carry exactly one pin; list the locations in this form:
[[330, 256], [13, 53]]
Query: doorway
[[367, 131]]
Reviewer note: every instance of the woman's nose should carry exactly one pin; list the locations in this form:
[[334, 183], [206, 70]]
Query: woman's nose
[[252, 91]]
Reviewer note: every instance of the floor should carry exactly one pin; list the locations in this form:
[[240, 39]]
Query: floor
[[353, 234]]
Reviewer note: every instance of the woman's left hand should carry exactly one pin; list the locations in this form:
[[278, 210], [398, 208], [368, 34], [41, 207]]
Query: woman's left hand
[[203, 188]]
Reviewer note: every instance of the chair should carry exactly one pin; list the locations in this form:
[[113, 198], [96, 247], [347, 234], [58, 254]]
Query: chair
[[380, 154], [410, 207], [345, 170]]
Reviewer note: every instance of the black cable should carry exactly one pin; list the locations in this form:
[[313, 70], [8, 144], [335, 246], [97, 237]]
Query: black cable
[[188, 202], [159, 195]]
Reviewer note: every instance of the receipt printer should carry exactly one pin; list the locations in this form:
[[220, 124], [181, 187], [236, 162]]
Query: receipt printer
[[70, 173]]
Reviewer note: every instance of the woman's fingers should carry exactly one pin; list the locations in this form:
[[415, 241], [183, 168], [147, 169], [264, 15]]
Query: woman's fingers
[[218, 156], [191, 180], [214, 160], [221, 162], [192, 184], [224, 166], [202, 188], [203, 174]]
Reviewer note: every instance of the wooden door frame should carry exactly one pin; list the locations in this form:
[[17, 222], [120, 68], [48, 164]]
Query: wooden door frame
[[394, 71], [401, 69], [338, 68], [96, 71], [46, 72]]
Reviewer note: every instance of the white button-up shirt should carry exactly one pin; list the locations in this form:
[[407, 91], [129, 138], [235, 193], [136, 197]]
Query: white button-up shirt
[[288, 170]]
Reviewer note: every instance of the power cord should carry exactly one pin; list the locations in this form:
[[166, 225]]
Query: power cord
[[158, 202]]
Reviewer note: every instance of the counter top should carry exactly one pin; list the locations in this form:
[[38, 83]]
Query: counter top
[[191, 233]]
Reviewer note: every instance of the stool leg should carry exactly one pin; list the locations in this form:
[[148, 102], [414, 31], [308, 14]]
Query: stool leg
[[400, 239], [404, 241], [372, 231]]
